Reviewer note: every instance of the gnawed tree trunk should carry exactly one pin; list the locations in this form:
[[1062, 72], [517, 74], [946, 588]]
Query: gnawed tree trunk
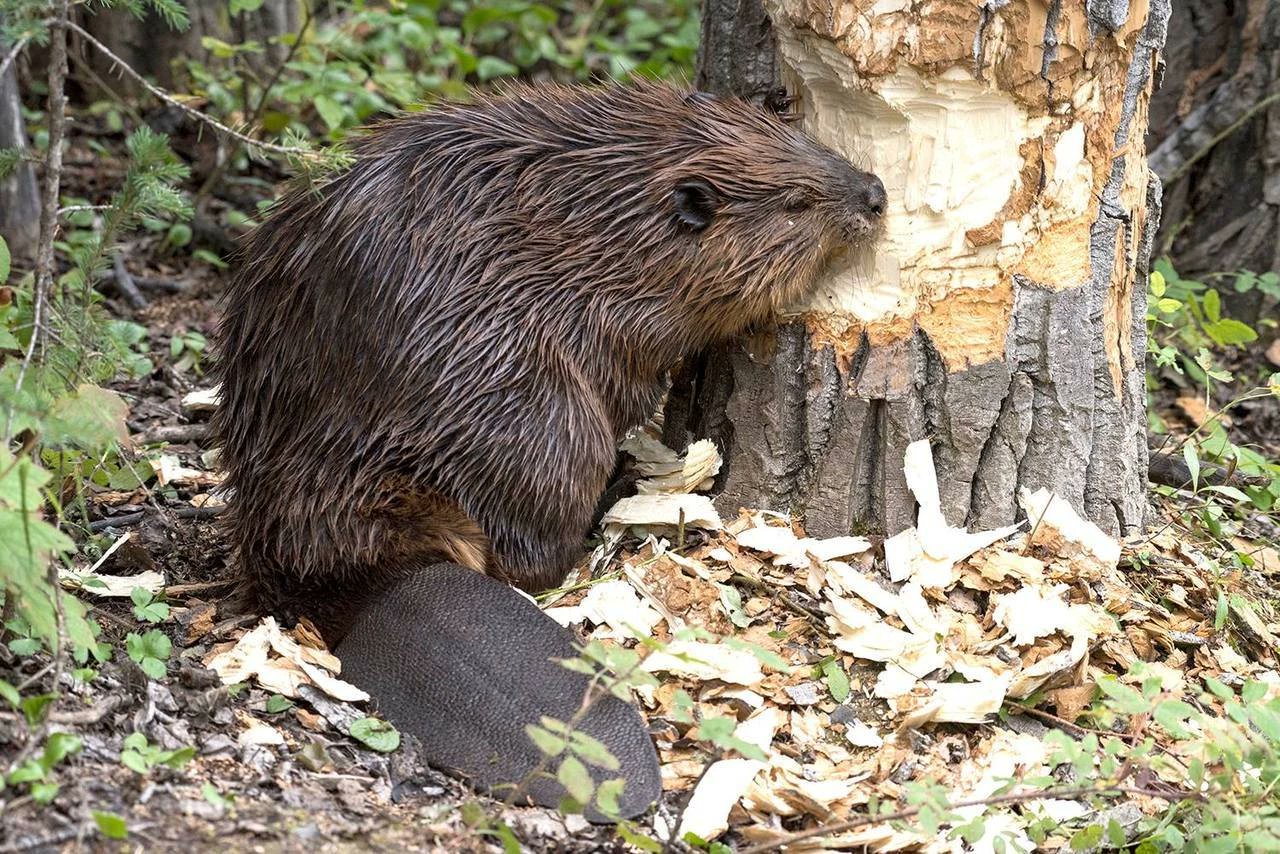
[[1001, 316], [19, 195], [1215, 137]]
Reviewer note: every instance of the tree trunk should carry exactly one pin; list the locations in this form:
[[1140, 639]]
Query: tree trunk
[[19, 195], [1215, 137], [1002, 315]]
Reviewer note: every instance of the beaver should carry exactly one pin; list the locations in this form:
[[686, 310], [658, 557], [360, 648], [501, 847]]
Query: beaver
[[427, 364]]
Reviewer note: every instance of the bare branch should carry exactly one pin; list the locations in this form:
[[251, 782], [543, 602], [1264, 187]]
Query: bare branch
[[1018, 798], [174, 102], [13, 54]]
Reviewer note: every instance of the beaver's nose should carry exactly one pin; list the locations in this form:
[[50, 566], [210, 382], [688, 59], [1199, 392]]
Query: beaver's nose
[[870, 197]]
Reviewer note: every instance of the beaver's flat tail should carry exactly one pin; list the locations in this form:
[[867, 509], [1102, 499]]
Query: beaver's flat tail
[[464, 663]]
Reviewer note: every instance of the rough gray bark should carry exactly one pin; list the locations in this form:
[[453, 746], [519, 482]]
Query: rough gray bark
[[1215, 136], [804, 431], [19, 194]]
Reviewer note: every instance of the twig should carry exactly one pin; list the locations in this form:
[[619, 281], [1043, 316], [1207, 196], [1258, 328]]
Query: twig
[[210, 512], [69, 209], [47, 842], [13, 54], [171, 433], [149, 283], [1020, 798], [178, 590], [125, 284], [83, 717], [1220, 136], [174, 102], [57, 107], [1072, 729], [120, 541]]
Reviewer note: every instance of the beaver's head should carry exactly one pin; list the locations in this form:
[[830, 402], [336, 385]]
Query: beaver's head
[[719, 205], [765, 205]]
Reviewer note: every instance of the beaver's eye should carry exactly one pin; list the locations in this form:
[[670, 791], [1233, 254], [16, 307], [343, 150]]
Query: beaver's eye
[[796, 201], [695, 203]]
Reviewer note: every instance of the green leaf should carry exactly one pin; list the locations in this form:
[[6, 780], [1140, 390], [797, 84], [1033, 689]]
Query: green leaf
[[1212, 304], [1166, 305], [1230, 333], [766, 657], [59, 746], [489, 67], [110, 825], [330, 111], [217, 47], [35, 707], [6, 261], [210, 258], [1125, 700], [635, 837], [179, 235], [213, 796], [9, 694], [44, 793], [1157, 283], [149, 651], [731, 600], [592, 750], [546, 741], [277, 703], [1193, 464], [1088, 837], [27, 772], [1172, 715], [375, 734], [134, 762], [91, 417], [720, 732], [573, 775], [510, 844], [238, 6], [607, 794], [837, 681], [175, 759]]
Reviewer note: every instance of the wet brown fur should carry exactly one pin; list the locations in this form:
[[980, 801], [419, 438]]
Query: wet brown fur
[[435, 355]]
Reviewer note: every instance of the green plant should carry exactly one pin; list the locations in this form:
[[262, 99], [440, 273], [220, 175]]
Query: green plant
[[35, 772], [149, 651], [147, 606], [186, 348], [141, 756], [1184, 322], [1189, 334], [368, 60]]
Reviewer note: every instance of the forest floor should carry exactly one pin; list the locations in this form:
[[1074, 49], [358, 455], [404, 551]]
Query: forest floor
[[830, 678]]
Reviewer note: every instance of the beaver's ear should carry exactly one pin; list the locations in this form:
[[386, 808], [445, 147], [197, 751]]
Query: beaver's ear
[[695, 202]]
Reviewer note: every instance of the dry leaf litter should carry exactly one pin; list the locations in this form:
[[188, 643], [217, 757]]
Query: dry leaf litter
[[854, 666]]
